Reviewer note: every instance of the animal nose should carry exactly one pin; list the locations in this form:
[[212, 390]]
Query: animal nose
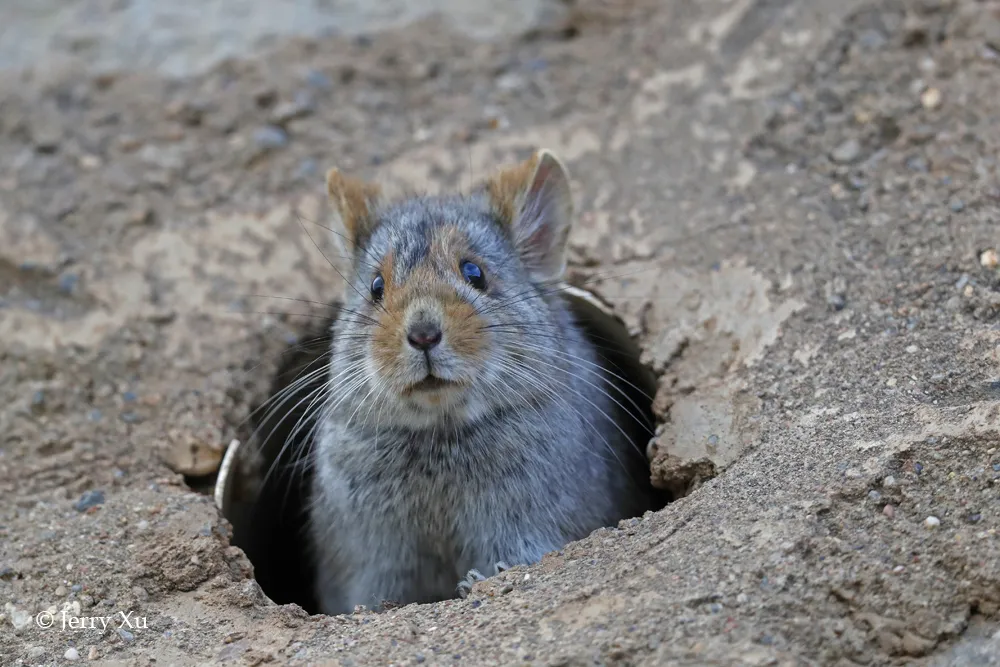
[[424, 336]]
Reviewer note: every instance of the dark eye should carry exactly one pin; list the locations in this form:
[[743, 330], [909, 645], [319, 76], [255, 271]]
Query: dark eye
[[473, 275], [378, 288]]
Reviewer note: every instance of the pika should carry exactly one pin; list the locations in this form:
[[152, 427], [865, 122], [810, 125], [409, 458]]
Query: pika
[[466, 423]]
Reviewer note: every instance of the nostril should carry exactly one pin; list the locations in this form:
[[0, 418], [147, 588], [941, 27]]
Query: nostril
[[424, 337]]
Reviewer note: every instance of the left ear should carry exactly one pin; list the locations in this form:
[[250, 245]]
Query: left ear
[[534, 200]]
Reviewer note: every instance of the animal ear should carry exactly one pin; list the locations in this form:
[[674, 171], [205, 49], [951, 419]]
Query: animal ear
[[534, 200], [355, 201]]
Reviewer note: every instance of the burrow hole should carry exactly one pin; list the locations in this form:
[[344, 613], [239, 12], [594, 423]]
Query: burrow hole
[[269, 517]]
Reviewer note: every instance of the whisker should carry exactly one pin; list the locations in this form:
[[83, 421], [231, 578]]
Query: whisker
[[343, 236], [334, 267], [569, 386], [526, 374], [576, 360]]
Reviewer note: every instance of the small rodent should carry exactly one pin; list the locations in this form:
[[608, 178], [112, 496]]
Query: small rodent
[[466, 423]]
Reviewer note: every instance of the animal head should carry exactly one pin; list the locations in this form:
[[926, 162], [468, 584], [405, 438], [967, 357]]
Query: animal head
[[450, 310]]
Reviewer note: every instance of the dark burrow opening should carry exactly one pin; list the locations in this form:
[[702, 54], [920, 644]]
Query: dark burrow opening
[[263, 485]]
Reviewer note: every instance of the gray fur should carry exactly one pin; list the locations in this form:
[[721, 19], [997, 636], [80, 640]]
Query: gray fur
[[407, 500]]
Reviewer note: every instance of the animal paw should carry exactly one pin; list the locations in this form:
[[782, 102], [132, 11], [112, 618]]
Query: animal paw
[[471, 579], [474, 576]]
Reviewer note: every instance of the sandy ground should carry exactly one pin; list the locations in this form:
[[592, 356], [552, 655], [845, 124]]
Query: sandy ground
[[788, 202]]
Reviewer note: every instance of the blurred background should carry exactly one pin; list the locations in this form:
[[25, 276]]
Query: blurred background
[[187, 37]]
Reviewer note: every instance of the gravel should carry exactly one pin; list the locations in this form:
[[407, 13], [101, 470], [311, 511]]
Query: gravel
[[88, 500]]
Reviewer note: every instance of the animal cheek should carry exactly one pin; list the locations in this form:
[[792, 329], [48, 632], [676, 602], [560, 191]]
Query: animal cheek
[[387, 341], [463, 329]]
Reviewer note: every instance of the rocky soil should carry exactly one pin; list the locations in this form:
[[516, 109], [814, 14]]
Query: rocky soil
[[793, 206]]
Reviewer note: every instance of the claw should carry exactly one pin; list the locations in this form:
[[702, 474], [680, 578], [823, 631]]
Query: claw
[[471, 579]]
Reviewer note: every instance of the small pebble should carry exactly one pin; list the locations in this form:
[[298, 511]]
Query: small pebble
[[419, 657], [889, 511], [932, 522], [125, 634], [36, 652], [874, 496], [889, 481], [317, 79], [94, 415], [849, 151], [68, 282], [989, 258], [129, 397], [270, 137], [71, 654], [507, 588], [76, 588], [92, 654], [142, 525], [38, 401], [61, 591], [130, 418], [88, 500], [307, 169], [931, 98], [917, 163], [301, 106], [871, 39]]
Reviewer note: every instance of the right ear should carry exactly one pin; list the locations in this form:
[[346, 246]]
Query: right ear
[[355, 201], [534, 200]]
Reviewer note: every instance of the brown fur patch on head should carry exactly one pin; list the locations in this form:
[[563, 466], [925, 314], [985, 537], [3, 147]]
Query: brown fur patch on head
[[449, 246], [389, 338], [506, 188], [463, 328], [354, 200], [389, 334], [461, 325]]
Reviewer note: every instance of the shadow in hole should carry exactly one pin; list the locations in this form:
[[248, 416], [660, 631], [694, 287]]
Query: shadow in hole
[[270, 516], [270, 521]]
